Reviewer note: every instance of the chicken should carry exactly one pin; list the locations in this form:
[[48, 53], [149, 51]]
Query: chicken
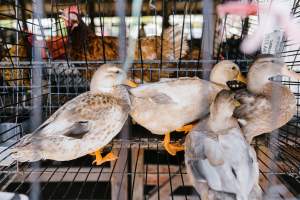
[[67, 76], [84, 44], [15, 75], [12, 74], [55, 47], [221, 164]]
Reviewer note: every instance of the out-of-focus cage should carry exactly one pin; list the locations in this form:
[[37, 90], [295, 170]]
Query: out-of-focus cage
[[38, 75]]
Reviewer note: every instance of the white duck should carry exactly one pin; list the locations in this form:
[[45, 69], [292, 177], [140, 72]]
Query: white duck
[[82, 125], [221, 164], [169, 105]]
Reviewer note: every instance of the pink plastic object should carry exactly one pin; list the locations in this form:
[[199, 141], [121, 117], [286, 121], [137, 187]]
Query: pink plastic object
[[273, 16], [236, 8]]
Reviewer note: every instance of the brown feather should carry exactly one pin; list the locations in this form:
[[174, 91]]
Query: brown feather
[[86, 45], [264, 113], [14, 75]]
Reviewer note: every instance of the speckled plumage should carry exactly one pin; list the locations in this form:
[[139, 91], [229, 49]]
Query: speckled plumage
[[81, 126], [265, 105]]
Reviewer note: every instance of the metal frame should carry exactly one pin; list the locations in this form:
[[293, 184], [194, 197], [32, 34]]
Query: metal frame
[[143, 170]]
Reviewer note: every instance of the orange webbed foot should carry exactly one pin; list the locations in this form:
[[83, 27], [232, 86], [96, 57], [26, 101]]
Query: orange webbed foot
[[186, 128], [99, 160], [171, 148]]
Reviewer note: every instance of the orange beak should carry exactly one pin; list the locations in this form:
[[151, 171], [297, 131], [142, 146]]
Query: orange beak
[[241, 78], [130, 83]]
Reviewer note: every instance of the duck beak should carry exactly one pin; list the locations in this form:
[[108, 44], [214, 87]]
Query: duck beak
[[236, 103], [130, 83], [241, 78], [290, 73]]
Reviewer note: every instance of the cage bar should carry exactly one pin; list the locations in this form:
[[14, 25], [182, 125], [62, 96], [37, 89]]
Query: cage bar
[[46, 78]]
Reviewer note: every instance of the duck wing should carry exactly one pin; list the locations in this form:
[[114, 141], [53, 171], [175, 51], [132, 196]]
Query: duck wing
[[260, 114], [253, 113], [174, 102], [193, 154], [170, 91], [72, 131], [200, 147], [78, 116]]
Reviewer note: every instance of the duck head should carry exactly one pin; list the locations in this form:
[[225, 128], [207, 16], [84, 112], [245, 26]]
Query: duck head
[[226, 71], [264, 68], [107, 77], [221, 111]]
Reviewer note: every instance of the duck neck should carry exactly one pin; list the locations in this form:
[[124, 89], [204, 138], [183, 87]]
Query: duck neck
[[257, 80], [276, 91], [264, 87], [118, 91], [219, 122], [221, 85], [107, 90]]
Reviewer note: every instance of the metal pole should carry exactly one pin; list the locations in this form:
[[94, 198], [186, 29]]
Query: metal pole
[[36, 85], [121, 9], [207, 36], [36, 91], [120, 183]]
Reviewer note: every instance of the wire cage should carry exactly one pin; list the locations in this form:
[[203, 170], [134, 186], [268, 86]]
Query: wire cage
[[39, 74]]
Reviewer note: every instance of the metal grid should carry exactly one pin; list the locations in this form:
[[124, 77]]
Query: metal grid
[[143, 170]]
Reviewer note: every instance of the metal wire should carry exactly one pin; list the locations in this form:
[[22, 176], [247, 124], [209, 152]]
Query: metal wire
[[144, 170]]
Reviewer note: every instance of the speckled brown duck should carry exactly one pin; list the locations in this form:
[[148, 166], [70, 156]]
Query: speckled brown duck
[[83, 125], [266, 105]]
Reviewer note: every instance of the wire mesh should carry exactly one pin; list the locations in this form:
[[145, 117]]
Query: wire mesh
[[143, 170]]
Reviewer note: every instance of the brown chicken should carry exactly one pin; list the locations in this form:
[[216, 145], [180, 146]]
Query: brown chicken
[[55, 46], [84, 44], [14, 75]]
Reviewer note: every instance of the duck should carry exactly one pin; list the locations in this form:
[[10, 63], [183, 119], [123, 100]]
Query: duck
[[219, 161], [266, 105], [171, 104], [83, 125]]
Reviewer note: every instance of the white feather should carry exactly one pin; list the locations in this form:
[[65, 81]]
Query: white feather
[[12, 196]]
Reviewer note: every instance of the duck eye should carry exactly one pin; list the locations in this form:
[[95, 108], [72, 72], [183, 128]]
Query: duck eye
[[118, 71], [233, 68]]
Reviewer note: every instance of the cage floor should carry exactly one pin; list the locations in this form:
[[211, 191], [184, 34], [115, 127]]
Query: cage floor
[[143, 171]]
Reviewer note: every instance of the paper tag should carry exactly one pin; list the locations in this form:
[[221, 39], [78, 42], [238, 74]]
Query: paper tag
[[272, 43]]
